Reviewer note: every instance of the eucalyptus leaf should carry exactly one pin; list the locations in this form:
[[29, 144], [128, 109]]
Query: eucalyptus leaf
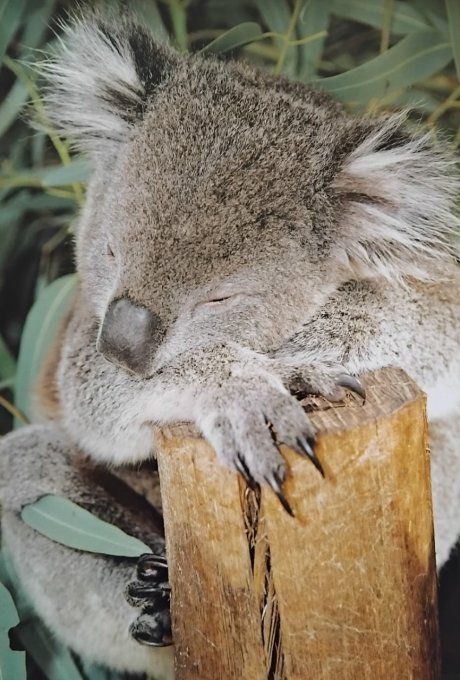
[[236, 37], [275, 13], [7, 362], [313, 19], [453, 14], [38, 336], [277, 16], [10, 578], [12, 664], [10, 20], [415, 57], [63, 175], [51, 657], [38, 20], [66, 522], [405, 18], [12, 105], [148, 11]]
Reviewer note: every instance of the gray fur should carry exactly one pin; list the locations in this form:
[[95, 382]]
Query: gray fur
[[80, 596], [328, 235]]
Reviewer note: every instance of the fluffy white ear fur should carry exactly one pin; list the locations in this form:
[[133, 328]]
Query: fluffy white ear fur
[[399, 199], [93, 86]]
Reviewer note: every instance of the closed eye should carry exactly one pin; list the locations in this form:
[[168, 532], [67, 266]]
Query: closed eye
[[219, 300]]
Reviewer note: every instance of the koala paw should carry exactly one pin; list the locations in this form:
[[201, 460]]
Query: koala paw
[[150, 592], [325, 380], [246, 419]]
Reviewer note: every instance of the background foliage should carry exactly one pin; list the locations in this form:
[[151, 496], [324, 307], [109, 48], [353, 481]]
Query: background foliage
[[373, 55]]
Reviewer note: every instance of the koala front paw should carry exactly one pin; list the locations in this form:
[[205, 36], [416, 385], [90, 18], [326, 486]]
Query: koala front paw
[[246, 419], [150, 592]]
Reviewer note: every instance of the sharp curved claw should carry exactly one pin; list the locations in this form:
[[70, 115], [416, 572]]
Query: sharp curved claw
[[152, 567], [244, 471], [305, 445], [153, 632], [352, 384], [276, 485]]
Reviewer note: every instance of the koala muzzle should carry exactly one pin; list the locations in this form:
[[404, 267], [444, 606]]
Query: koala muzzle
[[130, 335]]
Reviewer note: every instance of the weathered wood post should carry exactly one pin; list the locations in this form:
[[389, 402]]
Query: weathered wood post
[[346, 589]]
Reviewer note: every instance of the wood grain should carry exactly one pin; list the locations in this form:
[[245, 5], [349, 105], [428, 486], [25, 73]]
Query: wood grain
[[346, 589]]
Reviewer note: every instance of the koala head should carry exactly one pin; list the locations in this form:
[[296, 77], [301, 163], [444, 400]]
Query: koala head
[[225, 204]]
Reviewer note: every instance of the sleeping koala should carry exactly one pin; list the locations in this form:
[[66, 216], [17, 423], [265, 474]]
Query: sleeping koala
[[244, 239]]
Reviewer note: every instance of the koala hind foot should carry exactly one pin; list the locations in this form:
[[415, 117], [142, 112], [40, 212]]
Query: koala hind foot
[[150, 592]]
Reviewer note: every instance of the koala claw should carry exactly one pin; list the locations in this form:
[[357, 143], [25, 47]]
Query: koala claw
[[151, 593], [305, 444], [276, 484], [353, 384], [153, 629], [243, 469]]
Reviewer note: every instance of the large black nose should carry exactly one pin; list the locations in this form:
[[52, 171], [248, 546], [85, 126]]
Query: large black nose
[[129, 335]]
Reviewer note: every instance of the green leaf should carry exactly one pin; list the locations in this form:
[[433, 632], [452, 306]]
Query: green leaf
[[453, 14], [50, 656], [12, 664], [148, 11], [275, 13], [7, 362], [38, 336], [63, 175], [235, 37], [313, 19], [277, 16], [10, 19], [38, 21], [406, 19], [12, 105], [50, 176], [69, 524], [414, 58]]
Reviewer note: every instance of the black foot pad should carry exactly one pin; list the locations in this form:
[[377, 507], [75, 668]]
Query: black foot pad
[[150, 592]]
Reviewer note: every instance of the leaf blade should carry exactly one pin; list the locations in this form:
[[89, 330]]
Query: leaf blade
[[239, 35], [38, 335], [7, 362], [67, 523], [406, 19], [313, 19], [10, 19], [12, 664], [453, 15], [412, 59]]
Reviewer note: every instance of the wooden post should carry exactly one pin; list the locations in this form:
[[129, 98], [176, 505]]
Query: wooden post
[[346, 589]]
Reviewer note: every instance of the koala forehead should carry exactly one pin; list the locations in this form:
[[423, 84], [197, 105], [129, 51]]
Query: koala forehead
[[221, 173]]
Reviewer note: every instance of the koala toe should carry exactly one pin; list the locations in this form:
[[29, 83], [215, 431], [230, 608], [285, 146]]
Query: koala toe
[[149, 591], [152, 628]]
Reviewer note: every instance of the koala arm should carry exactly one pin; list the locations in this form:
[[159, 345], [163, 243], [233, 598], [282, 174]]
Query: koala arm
[[80, 596], [368, 324]]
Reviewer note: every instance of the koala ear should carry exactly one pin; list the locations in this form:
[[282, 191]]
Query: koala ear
[[100, 81], [397, 194]]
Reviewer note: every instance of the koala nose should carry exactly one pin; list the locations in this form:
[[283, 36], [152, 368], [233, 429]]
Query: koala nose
[[130, 335]]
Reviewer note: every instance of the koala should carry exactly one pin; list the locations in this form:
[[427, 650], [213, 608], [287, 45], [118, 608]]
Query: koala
[[244, 240]]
